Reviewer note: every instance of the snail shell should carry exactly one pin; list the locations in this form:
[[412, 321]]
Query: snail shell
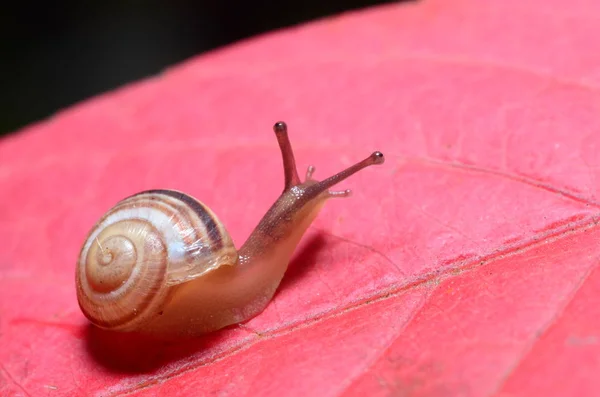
[[140, 249]]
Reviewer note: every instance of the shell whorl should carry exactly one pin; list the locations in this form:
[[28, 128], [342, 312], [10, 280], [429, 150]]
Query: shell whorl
[[143, 246]]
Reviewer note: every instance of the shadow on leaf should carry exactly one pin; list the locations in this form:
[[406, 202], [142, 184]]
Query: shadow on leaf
[[134, 353], [304, 261]]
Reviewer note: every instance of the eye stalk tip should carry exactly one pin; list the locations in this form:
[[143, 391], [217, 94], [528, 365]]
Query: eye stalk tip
[[280, 127], [377, 157]]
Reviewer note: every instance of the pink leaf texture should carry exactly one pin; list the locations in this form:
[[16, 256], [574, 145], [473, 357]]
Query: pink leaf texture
[[466, 265]]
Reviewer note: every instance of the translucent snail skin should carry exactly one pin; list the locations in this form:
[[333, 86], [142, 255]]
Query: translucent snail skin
[[161, 262]]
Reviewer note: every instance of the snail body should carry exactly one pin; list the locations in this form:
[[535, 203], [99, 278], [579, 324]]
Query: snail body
[[161, 262]]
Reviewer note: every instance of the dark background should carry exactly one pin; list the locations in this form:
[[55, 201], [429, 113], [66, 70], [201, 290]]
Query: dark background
[[55, 54]]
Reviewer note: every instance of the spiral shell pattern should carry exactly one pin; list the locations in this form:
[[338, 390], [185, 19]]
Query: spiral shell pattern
[[143, 246]]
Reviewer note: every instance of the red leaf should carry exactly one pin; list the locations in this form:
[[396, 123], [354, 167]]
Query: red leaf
[[467, 265]]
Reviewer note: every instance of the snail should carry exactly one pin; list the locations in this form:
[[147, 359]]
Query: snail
[[160, 262]]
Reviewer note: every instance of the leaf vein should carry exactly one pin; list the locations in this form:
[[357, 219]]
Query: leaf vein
[[536, 183], [13, 380], [544, 329]]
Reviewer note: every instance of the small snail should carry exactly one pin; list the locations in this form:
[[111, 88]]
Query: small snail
[[161, 262]]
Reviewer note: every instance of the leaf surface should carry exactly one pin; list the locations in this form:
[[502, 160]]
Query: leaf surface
[[467, 265]]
